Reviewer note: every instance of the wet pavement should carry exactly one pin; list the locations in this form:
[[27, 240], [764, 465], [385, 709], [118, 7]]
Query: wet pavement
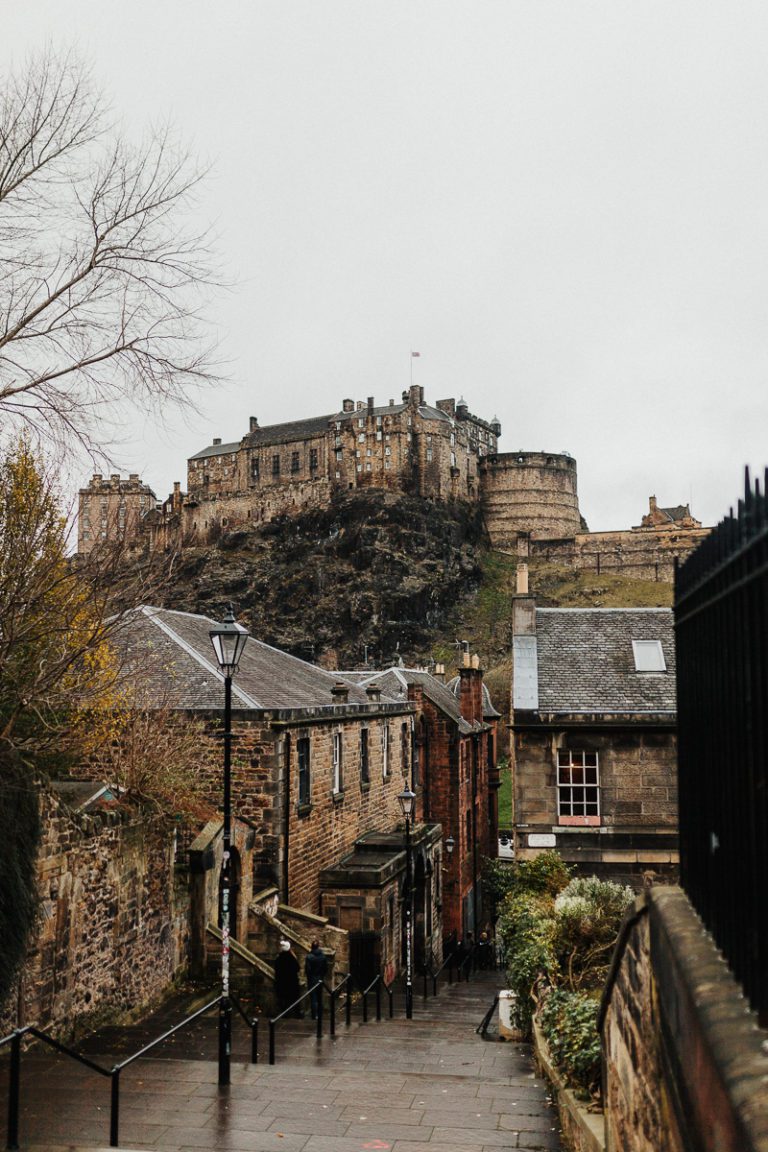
[[425, 1085]]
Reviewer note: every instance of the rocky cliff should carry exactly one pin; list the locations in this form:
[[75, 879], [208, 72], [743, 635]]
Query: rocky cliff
[[375, 571]]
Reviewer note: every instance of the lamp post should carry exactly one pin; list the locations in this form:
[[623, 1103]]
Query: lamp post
[[228, 641], [406, 799]]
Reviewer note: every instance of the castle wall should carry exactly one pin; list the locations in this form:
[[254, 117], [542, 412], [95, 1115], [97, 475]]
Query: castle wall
[[531, 492], [642, 554]]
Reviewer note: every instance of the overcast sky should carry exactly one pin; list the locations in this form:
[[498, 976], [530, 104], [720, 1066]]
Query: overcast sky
[[561, 204]]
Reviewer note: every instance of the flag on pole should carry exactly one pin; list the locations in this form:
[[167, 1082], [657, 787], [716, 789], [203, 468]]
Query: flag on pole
[[415, 353]]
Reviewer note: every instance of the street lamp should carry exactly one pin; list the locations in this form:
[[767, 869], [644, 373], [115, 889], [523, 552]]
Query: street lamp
[[406, 800], [228, 641]]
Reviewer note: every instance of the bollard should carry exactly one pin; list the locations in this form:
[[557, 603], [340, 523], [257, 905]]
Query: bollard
[[114, 1110]]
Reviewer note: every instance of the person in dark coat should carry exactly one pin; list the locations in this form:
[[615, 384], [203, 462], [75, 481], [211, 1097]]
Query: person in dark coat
[[315, 968], [286, 977]]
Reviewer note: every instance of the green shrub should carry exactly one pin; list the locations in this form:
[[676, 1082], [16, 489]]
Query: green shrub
[[569, 1023], [588, 915]]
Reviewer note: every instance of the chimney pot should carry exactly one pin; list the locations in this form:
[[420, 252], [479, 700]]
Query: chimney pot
[[373, 692], [475, 661], [216, 440], [254, 423], [522, 579], [340, 693]]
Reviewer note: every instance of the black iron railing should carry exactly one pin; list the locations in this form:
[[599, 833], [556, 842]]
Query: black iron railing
[[377, 986], [291, 1010], [721, 619], [113, 1074]]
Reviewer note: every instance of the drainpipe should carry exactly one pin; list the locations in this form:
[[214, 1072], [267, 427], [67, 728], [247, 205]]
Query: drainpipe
[[286, 815]]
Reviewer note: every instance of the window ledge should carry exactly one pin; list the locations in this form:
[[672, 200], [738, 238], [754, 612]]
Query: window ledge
[[304, 809], [338, 797], [365, 785]]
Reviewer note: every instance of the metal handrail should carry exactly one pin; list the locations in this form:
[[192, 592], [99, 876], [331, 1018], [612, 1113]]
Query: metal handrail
[[274, 1020], [378, 983], [482, 1027], [253, 1024], [333, 995], [14, 1080], [429, 971]]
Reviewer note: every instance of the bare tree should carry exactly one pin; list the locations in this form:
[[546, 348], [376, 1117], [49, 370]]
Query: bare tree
[[101, 278]]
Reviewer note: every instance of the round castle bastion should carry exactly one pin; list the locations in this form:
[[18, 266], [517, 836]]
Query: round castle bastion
[[530, 492]]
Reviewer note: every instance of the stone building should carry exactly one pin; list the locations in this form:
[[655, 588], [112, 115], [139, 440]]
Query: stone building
[[112, 509], [317, 765], [410, 445], [593, 747], [455, 777], [443, 452]]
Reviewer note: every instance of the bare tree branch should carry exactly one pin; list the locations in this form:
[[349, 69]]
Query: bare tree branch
[[102, 281]]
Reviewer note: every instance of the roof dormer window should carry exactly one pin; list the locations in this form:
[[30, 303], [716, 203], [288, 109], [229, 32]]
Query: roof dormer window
[[649, 656]]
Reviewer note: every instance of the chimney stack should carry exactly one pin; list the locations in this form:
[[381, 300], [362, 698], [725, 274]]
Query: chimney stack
[[340, 693]]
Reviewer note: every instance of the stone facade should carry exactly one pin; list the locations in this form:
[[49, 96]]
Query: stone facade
[[112, 510], [286, 468], [114, 923], [684, 1063], [594, 747], [442, 452]]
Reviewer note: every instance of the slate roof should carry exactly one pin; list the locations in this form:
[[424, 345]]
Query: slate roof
[[292, 430], [216, 450], [171, 654], [394, 682], [586, 662], [676, 513]]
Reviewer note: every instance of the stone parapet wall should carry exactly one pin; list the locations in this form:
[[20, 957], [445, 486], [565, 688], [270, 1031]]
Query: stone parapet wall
[[685, 1065], [641, 553]]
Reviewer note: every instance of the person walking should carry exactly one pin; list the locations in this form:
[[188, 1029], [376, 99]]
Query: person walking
[[315, 968], [286, 977]]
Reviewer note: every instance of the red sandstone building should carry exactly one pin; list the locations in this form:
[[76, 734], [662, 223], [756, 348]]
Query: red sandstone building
[[456, 781]]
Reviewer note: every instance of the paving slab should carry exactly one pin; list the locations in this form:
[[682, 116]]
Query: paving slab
[[425, 1085]]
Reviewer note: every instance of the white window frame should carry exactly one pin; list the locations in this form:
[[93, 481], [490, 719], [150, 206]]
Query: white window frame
[[385, 749], [337, 779], [575, 792]]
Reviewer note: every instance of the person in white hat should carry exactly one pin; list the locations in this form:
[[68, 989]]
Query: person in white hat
[[286, 977]]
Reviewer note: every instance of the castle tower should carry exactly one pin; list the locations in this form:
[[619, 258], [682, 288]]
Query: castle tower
[[531, 492]]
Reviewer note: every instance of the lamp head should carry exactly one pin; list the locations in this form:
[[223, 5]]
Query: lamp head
[[406, 800], [450, 844], [228, 639]]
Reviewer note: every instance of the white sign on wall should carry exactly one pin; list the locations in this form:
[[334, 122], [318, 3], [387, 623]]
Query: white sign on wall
[[541, 840]]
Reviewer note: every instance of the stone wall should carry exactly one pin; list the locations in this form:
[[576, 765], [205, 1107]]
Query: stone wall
[[640, 553], [637, 832], [685, 1065], [530, 492], [114, 920]]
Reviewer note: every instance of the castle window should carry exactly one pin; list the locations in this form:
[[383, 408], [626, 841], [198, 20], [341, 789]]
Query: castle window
[[361, 423], [295, 462], [339, 453], [207, 479], [453, 459], [386, 436], [429, 455], [378, 420], [338, 425], [361, 438], [337, 442], [254, 468], [378, 435], [275, 465], [338, 475], [357, 452], [368, 467], [387, 451], [386, 464], [578, 788], [359, 467], [368, 452], [453, 438]]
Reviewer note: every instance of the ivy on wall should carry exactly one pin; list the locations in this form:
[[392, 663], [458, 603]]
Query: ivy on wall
[[20, 839]]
